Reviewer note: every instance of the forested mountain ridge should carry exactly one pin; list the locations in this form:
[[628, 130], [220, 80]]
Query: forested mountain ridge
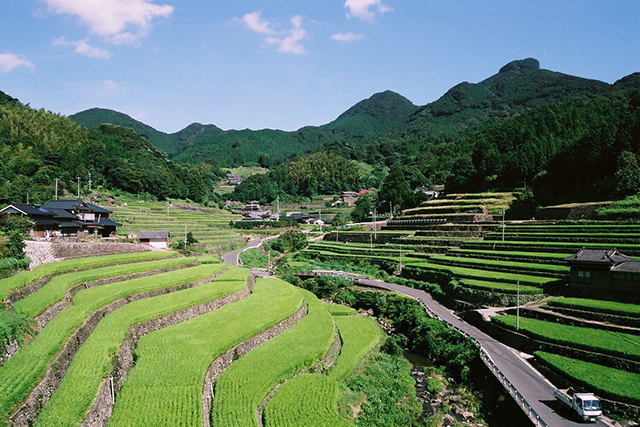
[[38, 148], [170, 143], [389, 128]]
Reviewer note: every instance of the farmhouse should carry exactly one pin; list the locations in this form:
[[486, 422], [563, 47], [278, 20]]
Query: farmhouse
[[64, 218], [156, 239], [601, 268]]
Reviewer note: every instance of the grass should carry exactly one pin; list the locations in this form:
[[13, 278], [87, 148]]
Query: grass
[[610, 307], [57, 287], [20, 374], [165, 387], [93, 361], [340, 310], [359, 336], [307, 400], [507, 265], [613, 343], [25, 278], [607, 382], [242, 387], [504, 288]]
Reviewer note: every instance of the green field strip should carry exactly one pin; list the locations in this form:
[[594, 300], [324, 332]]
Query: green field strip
[[598, 228], [306, 400], [25, 278], [543, 256], [554, 269], [340, 310], [359, 335], [607, 342], [56, 289], [20, 374], [348, 249], [588, 237], [606, 382], [503, 288], [457, 272], [488, 275], [92, 363], [535, 246], [169, 375], [243, 386], [600, 306]]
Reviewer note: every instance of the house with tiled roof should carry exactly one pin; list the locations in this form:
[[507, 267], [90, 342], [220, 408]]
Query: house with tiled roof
[[604, 268], [64, 217]]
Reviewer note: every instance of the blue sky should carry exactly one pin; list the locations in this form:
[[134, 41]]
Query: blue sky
[[284, 64]]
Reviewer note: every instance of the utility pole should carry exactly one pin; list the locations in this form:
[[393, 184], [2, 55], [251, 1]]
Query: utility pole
[[89, 182], [503, 226], [57, 179], [375, 226], [185, 237], [518, 308], [269, 263], [78, 178]]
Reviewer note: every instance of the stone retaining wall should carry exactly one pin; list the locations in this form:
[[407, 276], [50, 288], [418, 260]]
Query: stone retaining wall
[[223, 362], [40, 252], [28, 412]]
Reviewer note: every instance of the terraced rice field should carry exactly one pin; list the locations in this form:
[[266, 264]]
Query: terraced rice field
[[209, 226], [175, 317]]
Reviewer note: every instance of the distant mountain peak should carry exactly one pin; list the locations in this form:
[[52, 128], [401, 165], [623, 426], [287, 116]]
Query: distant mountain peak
[[521, 64], [387, 103]]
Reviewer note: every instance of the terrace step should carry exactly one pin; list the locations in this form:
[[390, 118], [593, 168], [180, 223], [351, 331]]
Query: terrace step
[[504, 266]]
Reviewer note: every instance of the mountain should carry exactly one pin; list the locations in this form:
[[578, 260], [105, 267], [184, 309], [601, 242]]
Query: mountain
[[41, 151], [5, 99], [386, 128], [170, 143], [519, 86]]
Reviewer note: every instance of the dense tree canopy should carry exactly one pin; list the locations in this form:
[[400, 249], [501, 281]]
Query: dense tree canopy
[[37, 147]]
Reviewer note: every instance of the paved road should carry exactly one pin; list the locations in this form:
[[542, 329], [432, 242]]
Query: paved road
[[233, 257], [535, 389]]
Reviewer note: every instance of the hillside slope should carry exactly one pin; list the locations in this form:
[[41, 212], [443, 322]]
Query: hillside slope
[[170, 143]]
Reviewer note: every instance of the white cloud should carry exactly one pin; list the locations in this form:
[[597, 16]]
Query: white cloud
[[288, 41], [365, 9], [9, 61], [108, 85], [347, 37], [254, 22], [82, 47], [117, 21]]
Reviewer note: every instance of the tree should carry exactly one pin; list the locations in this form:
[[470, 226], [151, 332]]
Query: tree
[[362, 210], [395, 190], [291, 240], [627, 177]]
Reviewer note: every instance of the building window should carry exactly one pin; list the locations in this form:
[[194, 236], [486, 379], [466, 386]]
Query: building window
[[584, 277]]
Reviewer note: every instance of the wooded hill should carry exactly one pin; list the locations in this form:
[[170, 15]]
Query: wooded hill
[[520, 127], [37, 147]]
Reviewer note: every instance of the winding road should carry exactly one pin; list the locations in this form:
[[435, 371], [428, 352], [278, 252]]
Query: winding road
[[535, 388], [232, 258]]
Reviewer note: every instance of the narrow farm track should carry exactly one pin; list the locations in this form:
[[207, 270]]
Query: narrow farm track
[[536, 389], [32, 366]]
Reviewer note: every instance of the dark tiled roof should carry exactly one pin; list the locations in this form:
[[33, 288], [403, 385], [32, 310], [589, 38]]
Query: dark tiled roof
[[611, 256], [627, 267], [151, 234], [109, 223], [29, 209], [61, 213], [75, 204]]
